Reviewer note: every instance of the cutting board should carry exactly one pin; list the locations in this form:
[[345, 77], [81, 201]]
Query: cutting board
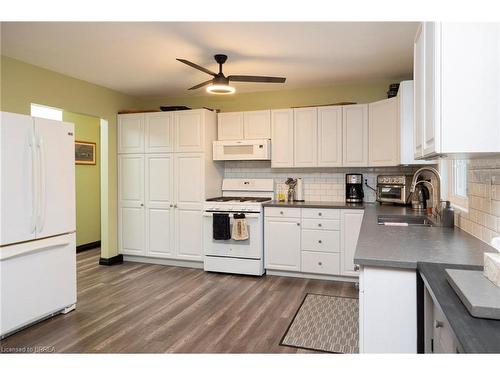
[[477, 293]]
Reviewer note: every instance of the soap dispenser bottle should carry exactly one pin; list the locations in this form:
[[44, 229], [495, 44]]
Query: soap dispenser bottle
[[448, 216]]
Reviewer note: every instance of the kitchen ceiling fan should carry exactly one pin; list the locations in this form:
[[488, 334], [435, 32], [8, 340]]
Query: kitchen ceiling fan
[[219, 84]]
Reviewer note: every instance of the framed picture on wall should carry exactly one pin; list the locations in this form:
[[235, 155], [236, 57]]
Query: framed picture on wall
[[84, 153]]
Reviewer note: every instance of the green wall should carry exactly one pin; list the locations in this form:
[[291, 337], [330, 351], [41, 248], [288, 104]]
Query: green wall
[[353, 92], [88, 188], [23, 84]]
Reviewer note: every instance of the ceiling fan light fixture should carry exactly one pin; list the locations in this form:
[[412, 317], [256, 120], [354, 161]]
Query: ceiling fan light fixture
[[220, 89]]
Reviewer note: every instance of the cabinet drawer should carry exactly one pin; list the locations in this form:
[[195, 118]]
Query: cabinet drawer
[[325, 263], [321, 240], [314, 213], [321, 224], [282, 212], [444, 338]]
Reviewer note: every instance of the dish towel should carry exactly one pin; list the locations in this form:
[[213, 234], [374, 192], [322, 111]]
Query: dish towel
[[240, 228], [221, 227]]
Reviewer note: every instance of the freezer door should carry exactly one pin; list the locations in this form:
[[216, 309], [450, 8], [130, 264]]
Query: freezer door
[[56, 168], [37, 279], [17, 157]]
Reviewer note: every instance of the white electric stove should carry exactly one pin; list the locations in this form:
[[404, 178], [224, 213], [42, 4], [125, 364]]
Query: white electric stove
[[239, 196]]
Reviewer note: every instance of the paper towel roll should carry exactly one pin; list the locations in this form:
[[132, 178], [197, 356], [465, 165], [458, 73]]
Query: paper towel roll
[[299, 190]]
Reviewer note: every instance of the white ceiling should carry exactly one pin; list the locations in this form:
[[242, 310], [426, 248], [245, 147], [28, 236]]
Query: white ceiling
[[139, 58]]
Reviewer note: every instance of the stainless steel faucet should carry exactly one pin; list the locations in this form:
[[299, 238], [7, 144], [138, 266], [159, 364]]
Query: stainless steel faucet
[[436, 190]]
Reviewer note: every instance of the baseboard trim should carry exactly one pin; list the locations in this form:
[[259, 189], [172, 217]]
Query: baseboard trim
[[88, 246], [164, 261], [302, 275], [117, 259]]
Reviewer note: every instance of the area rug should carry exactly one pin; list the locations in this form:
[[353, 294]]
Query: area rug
[[325, 323]]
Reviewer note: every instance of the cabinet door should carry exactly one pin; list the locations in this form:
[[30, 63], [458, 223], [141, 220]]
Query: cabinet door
[[189, 131], [188, 234], [281, 138], [350, 228], [189, 181], [383, 133], [257, 124], [330, 136], [355, 135], [159, 205], [305, 127], [131, 133], [131, 224], [159, 130], [419, 90], [431, 86], [282, 244], [230, 126]]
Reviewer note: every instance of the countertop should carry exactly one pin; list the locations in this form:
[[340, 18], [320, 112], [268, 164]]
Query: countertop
[[475, 335], [312, 204], [405, 247]]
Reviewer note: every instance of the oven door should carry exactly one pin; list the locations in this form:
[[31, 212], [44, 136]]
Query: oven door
[[251, 248], [391, 193]]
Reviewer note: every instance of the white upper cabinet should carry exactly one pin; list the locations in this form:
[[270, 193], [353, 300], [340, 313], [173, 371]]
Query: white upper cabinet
[[230, 126], [244, 125], [131, 133], [330, 136], [257, 124], [159, 131], [281, 138], [457, 88], [305, 127], [355, 135], [383, 133], [189, 131]]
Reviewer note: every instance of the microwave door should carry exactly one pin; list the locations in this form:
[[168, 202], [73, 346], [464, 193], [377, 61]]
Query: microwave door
[[391, 193]]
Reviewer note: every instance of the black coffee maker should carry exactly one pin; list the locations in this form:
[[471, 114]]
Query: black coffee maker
[[354, 188]]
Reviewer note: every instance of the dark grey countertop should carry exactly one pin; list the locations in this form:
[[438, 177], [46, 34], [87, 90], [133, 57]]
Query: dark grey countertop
[[405, 247], [312, 204], [475, 335]]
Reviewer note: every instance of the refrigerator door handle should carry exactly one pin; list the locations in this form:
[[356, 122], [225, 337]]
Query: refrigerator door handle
[[22, 252], [41, 185], [34, 183]]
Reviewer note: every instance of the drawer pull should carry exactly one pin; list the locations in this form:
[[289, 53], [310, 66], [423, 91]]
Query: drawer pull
[[281, 212], [298, 224], [319, 225], [438, 324], [319, 241], [320, 263], [319, 213]]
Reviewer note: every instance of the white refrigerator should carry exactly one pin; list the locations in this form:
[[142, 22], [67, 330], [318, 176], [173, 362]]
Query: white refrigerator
[[37, 220]]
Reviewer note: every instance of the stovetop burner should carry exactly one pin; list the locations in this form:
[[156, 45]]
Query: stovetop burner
[[239, 199]]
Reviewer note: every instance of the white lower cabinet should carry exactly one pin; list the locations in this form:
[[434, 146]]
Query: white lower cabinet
[[387, 310], [188, 234], [282, 243], [311, 240]]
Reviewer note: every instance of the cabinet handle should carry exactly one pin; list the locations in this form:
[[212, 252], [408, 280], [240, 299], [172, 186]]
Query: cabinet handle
[[356, 267], [438, 324], [319, 225], [319, 241], [320, 263]]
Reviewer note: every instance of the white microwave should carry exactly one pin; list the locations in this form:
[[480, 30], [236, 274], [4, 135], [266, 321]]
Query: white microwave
[[245, 149]]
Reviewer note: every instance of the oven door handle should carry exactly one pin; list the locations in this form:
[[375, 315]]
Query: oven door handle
[[247, 216]]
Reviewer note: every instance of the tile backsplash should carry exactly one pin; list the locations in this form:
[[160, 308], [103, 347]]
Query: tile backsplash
[[483, 218], [320, 184]]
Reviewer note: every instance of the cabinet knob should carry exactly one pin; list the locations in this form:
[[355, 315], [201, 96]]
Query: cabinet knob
[[281, 212], [319, 225], [142, 204], [319, 241], [438, 324], [175, 206], [320, 263], [356, 267], [319, 214], [298, 224]]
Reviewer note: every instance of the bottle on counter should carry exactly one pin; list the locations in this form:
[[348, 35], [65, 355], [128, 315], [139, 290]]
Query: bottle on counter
[[448, 216]]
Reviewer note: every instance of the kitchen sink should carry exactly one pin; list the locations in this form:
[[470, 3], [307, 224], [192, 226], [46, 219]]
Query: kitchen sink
[[404, 220]]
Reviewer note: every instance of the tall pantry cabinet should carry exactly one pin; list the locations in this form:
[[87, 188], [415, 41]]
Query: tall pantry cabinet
[[165, 173]]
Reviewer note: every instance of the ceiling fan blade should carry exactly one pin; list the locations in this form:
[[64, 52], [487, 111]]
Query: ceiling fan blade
[[257, 79], [200, 85], [196, 66]]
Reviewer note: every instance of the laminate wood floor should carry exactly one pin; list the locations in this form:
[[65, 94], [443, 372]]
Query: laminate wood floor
[[144, 308]]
